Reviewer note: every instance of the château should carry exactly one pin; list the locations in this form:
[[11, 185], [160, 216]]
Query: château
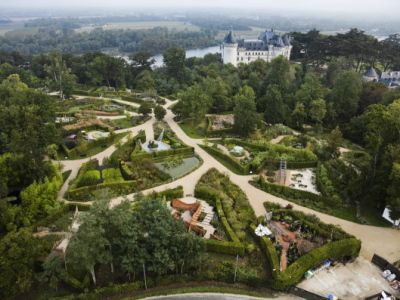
[[267, 46]]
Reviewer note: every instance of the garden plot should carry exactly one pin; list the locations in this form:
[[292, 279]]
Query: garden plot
[[302, 179], [220, 122], [179, 167]]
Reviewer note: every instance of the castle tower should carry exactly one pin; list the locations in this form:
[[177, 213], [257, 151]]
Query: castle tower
[[229, 49]]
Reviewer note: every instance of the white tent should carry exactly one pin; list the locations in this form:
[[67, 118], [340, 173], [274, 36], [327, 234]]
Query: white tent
[[262, 231]]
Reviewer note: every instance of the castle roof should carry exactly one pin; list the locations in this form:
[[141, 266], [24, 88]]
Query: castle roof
[[371, 72], [264, 40], [230, 38]]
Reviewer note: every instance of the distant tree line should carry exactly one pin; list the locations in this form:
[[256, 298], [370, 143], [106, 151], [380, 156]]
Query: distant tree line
[[356, 47], [67, 40]]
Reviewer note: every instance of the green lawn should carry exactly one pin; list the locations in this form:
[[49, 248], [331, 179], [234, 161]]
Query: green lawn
[[193, 131], [187, 166]]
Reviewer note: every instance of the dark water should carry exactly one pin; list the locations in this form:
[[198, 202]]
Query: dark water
[[189, 53]]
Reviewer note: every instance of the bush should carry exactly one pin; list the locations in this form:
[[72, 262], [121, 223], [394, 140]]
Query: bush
[[347, 248], [270, 253], [112, 175], [224, 247], [170, 194], [116, 188], [326, 187], [183, 151], [91, 177]]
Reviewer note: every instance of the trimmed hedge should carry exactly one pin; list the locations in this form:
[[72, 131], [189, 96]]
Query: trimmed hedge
[[244, 144], [126, 172], [270, 253], [202, 192], [290, 164], [90, 177], [224, 247], [112, 175], [230, 162], [170, 194], [285, 191], [116, 188], [184, 151], [347, 247], [296, 164], [335, 251]]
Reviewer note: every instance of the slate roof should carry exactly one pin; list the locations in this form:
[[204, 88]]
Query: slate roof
[[371, 72], [230, 38]]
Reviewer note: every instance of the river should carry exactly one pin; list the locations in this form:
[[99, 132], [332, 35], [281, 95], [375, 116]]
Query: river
[[189, 53], [201, 52]]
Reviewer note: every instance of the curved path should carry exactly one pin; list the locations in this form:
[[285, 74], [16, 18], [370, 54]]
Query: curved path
[[379, 240]]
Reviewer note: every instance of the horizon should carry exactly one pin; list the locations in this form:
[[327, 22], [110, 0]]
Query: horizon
[[386, 9]]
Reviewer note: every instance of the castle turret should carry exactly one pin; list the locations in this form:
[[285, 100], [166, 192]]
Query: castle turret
[[229, 49]]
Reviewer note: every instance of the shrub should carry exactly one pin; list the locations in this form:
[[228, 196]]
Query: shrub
[[91, 177], [112, 175], [224, 247], [170, 194], [183, 151], [337, 250], [326, 187], [116, 188]]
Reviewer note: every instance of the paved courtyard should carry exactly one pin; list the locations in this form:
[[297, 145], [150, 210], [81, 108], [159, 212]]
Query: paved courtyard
[[355, 280]]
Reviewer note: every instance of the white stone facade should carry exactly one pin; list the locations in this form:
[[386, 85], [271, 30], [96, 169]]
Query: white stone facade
[[267, 47]]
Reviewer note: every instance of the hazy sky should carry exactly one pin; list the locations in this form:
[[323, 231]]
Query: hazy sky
[[388, 8]]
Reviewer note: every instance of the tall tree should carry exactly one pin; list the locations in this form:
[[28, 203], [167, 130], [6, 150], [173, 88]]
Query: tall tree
[[317, 111], [246, 117], [145, 82], [174, 59], [18, 253], [346, 95], [275, 109], [159, 112], [299, 115], [60, 75], [194, 103]]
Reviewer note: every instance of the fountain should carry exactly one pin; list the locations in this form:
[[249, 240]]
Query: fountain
[[157, 145]]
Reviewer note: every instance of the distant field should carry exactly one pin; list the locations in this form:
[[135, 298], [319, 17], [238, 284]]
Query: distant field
[[180, 26], [245, 34], [16, 27], [20, 31]]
